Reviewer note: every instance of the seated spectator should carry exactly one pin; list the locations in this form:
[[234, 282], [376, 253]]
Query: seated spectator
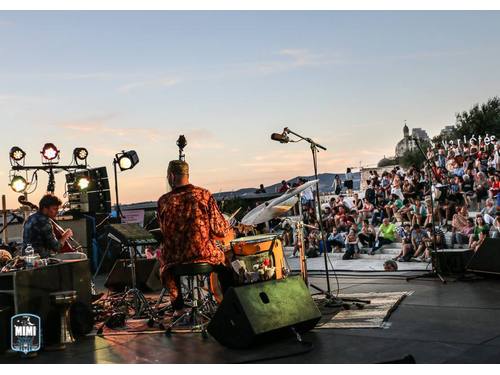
[[385, 236], [341, 202], [495, 186], [327, 218], [336, 240], [379, 212], [393, 206], [297, 240], [366, 211], [496, 225], [484, 234], [367, 234], [489, 212], [404, 212], [407, 249], [461, 236], [418, 240], [357, 203], [481, 188], [261, 190], [287, 234], [418, 213], [314, 237], [370, 193], [467, 189], [351, 246], [284, 187], [478, 228]]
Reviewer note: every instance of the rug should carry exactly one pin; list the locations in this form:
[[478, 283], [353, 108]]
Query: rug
[[373, 315]]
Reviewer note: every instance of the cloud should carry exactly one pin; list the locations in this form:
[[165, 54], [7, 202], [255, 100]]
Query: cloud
[[163, 82], [4, 23], [94, 125], [293, 59]]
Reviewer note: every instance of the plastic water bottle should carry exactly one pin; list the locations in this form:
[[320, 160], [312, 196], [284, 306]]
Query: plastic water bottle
[[29, 253]]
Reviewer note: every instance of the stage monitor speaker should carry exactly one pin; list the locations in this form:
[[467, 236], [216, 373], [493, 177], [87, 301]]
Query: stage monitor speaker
[[5, 314], [487, 257], [261, 312], [453, 261], [147, 271]]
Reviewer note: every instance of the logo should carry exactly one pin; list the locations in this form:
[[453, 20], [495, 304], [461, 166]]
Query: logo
[[25, 333]]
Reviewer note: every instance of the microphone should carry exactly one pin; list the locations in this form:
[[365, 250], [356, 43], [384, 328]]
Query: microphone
[[20, 219], [281, 138]]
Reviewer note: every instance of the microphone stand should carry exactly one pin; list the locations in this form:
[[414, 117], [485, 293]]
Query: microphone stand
[[435, 261], [314, 150]]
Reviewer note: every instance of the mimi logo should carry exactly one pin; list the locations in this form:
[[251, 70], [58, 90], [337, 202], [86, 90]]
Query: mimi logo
[[25, 333]]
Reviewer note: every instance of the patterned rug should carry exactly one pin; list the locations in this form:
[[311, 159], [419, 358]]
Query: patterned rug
[[373, 315]]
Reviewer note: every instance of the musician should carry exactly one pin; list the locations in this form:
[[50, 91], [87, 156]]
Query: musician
[[189, 219], [38, 230]]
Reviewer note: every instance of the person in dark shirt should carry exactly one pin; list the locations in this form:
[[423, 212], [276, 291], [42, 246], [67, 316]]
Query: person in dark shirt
[[38, 231], [261, 190]]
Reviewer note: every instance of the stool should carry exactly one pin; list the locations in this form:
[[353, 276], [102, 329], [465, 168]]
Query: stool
[[197, 319], [63, 301]]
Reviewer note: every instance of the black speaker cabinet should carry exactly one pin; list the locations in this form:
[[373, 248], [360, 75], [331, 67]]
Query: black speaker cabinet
[[487, 257], [5, 315], [256, 313], [147, 271], [453, 261]]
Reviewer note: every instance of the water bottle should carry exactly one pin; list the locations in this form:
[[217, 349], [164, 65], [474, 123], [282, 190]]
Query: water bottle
[[29, 253]]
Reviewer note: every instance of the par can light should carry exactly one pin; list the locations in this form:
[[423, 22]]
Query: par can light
[[80, 153], [18, 184], [50, 151], [17, 154], [82, 183]]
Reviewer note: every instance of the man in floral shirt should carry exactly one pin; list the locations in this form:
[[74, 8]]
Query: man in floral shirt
[[189, 219]]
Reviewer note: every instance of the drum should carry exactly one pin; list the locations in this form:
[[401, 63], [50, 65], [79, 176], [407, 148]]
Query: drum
[[263, 242]]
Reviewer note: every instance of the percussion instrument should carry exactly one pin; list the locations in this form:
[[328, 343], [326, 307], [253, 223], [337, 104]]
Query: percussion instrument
[[251, 246], [277, 206]]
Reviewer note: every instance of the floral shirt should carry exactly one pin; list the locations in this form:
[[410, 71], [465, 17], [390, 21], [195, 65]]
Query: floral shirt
[[189, 219]]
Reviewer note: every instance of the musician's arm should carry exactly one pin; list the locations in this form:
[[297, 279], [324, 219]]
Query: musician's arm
[[51, 242], [219, 226]]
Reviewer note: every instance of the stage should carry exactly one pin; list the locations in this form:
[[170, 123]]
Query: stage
[[455, 322]]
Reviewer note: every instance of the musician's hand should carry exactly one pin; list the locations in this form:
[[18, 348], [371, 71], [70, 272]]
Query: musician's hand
[[67, 234]]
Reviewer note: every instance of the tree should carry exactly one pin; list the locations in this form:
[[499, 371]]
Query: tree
[[414, 156], [480, 120]]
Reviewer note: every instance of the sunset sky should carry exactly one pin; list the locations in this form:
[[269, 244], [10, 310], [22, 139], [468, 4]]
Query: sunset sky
[[122, 80]]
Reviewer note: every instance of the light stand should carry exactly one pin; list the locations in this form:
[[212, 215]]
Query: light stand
[[119, 213], [435, 261], [314, 150]]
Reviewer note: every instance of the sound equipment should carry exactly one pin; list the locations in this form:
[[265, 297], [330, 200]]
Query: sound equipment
[[147, 271], [487, 257], [5, 315], [261, 312], [28, 291], [131, 234], [453, 261]]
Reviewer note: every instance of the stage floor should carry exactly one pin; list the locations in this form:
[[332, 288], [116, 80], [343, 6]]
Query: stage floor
[[455, 322]]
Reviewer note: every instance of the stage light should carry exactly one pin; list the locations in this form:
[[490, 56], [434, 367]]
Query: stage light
[[80, 153], [82, 183], [50, 151], [17, 154], [18, 184], [127, 160]]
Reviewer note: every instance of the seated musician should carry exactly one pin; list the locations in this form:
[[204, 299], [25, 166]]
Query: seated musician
[[189, 219], [38, 230]]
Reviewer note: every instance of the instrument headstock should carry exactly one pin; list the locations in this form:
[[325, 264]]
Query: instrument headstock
[[22, 199]]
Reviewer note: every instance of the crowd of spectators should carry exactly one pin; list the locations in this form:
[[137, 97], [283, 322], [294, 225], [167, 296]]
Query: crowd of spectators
[[397, 205]]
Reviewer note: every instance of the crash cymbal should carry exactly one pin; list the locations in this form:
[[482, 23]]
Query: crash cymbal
[[269, 210], [277, 206]]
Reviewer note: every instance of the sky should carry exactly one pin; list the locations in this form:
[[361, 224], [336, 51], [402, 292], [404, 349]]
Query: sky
[[136, 80]]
